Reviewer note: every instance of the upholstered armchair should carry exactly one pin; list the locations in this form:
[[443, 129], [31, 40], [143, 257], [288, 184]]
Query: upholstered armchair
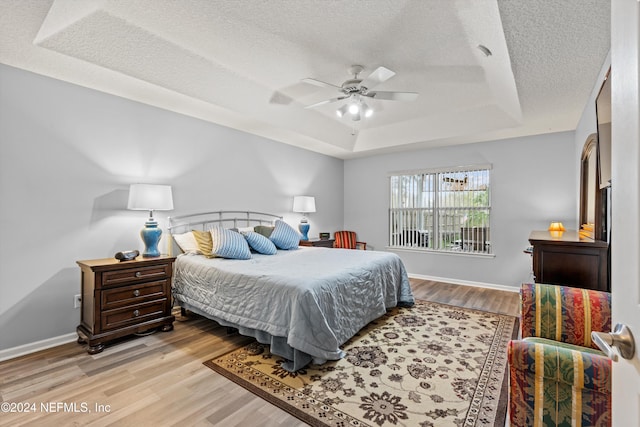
[[348, 240], [557, 377]]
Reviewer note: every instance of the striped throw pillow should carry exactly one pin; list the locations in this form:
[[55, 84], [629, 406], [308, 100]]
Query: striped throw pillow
[[284, 236], [229, 244], [259, 243]]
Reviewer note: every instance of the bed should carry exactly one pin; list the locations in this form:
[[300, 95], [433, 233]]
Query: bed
[[305, 302]]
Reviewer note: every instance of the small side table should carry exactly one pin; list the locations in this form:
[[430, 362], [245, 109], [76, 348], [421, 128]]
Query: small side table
[[124, 298], [318, 243]]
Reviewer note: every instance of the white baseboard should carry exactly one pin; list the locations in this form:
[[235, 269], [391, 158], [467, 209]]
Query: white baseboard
[[21, 350], [467, 283]]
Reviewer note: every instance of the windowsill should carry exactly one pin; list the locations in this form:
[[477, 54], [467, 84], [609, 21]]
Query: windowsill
[[436, 252]]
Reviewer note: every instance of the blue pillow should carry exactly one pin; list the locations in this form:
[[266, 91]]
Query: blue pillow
[[229, 244], [259, 243], [284, 236]]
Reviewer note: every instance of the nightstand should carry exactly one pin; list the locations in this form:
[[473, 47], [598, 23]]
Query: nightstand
[[326, 243], [124, 298]]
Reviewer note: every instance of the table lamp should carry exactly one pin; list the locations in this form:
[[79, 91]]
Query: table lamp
[[556, 229], [150, 197], [304, 205]]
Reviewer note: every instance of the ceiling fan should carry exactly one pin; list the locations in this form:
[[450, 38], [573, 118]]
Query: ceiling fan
[[356, 91]]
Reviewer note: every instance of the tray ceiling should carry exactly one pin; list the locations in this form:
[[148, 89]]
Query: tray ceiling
[[240, 64]]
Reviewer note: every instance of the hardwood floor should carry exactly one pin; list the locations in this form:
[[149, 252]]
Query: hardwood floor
[[160, 380]]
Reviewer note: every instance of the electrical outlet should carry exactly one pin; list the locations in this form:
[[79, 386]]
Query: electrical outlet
[[77, 301]]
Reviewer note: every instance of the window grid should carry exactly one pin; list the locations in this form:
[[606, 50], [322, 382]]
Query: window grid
[[443, 210]]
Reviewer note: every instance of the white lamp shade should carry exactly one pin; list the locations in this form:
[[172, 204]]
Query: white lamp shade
[[304, 204], [150, 197]]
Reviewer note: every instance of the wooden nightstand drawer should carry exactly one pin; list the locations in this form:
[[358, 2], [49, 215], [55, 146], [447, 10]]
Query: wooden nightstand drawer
[[141, 273], [125, 316], [134, 294]]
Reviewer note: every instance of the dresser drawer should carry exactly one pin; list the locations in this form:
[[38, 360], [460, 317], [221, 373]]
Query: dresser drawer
[[133, 294], [136, 274], [131, 315]]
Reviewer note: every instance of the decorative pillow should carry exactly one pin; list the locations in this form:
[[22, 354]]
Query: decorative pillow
[[203, 239], [229, 244], [265, 230], [259, 243], [243, 230], [284, 236], [187, 243]]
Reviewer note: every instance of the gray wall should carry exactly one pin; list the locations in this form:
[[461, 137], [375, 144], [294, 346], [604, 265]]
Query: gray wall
[[533, 183], [68, 154], [67, 157]]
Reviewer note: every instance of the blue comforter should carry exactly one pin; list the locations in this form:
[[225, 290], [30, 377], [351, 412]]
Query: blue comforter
[[305, 303]]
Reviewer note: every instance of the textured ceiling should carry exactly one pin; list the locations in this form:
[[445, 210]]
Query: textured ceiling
[[240, 63]]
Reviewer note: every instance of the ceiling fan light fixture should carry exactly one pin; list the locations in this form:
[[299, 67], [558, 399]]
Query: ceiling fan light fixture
[[355, 90], [368, 111]]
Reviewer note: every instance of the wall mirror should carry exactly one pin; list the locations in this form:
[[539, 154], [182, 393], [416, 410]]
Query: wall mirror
[[590, 194]]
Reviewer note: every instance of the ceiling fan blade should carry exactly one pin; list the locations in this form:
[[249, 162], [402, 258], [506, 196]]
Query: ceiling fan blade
[[328, 101], [393, 96], [320, 83], [379, 75]]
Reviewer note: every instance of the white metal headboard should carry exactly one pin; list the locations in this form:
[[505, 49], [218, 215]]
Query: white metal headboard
[[205, 220]]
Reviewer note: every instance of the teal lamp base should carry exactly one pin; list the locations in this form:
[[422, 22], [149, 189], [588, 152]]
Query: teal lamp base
[[304, 229], [151, 236]]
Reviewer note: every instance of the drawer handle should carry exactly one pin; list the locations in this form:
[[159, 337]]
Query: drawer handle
[[138, 274], [136, 293], [136, 313]]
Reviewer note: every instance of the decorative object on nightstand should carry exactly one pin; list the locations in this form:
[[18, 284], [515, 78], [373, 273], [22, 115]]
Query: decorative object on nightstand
[[324, 236], [304, 205], [150, 197], [124, 298], [127, 255], [348, 240]]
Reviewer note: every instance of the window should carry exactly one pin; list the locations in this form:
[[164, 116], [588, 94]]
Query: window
[[441, 210]]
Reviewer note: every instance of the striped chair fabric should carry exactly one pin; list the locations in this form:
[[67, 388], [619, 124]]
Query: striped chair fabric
[[347, 240], [557, 377], [563, 313]]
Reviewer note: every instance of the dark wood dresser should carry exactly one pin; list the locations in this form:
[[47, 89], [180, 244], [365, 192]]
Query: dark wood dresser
[[569, 259], [123, 298]]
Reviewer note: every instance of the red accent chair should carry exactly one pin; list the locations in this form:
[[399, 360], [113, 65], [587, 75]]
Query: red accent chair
[[347, 240]]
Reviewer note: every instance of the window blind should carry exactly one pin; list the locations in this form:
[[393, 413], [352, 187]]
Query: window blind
[[441, 209]]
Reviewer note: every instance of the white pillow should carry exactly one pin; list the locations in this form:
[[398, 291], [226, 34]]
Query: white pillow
[[187, 243]]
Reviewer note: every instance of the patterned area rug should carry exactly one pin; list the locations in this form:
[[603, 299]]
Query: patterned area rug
[[428, 365]]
